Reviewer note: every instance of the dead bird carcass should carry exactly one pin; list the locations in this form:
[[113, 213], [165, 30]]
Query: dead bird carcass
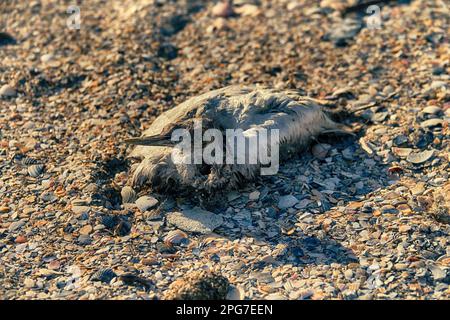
[[236, 133]]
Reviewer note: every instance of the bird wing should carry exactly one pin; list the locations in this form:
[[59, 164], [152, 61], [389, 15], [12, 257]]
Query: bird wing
[[160, 131]]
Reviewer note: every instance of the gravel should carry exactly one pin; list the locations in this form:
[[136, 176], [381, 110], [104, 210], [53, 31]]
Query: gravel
[[367, 219]]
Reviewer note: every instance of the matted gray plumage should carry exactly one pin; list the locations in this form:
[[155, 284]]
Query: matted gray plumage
[[299, 120]]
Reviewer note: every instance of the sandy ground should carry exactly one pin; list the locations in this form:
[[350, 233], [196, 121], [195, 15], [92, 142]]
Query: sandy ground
[[369, 219]]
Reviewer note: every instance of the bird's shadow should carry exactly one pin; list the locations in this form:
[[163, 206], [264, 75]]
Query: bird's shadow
[[321, 187]]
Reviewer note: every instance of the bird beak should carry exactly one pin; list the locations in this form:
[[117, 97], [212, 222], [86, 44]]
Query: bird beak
[[150, 141]]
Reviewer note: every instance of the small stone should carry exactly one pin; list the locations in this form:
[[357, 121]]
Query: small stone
[[400, 266], [388, 209], [4, 209], [292, 5], [158, 276], [149, 261], [275, 296], [271, 212], [438, 273], [368, 296], [418, 189], [99, 227], [404, 228], [287, 202], [387, 90], [81, 210], [29, 283], [400, 140], [6, 39], [195, 220], [20, 239], [425, 202], [248, 10], [431, 110], [84, 239], [438, 84], [47, 57], [87, 229], [7, 91], [303, 203], [438, 70], [54, 265], [254, 195], [262, 277], [366, 146], [20, 248], [222, 9], [354, 205], [348, 274], [16, 225], [48, 196], [401, 152], [431, 123], [79, 202], [146, 202], [233, 195], [405, 209]]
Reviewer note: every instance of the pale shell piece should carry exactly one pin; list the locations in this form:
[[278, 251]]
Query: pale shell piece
[[420, 157], [222, 9], [35, 170], [431, 123], [27, 161], [175, 237], [366, 146], [401, 152], [432, 110]]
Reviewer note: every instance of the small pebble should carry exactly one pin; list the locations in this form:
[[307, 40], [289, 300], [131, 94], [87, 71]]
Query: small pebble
[[146, 202], [7, 91]]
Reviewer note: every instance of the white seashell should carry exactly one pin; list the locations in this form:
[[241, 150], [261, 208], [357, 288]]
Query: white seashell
[[432, 110], [222, 9], [128, 194], [7, 91], [146, 202], [35, 170], [175, 237], [248, 10], [420, 157], [431, 123], [401, 152], [47, 57], [27, 161]]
